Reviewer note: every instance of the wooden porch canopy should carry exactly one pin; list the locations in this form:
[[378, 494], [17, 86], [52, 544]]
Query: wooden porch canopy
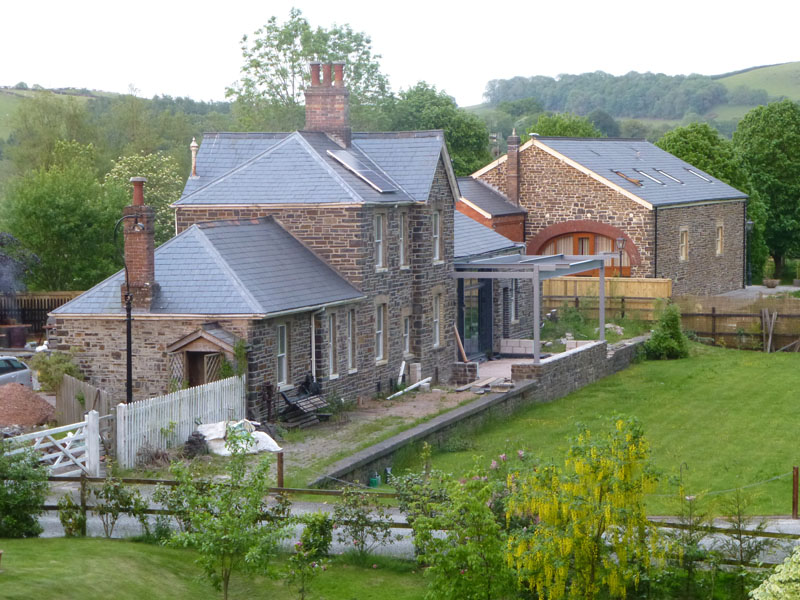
[[537, 269]]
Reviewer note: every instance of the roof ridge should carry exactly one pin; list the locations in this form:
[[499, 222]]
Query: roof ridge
[[324, 164], [239, 167], [221, 262]]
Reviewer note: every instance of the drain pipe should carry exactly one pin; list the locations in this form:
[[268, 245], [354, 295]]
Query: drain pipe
[[314, 342], [655, 244]]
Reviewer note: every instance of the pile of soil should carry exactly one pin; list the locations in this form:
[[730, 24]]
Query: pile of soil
[[20, 405]]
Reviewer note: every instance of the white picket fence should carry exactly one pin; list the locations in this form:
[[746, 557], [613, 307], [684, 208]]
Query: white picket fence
[[65, 455], [167, 421]]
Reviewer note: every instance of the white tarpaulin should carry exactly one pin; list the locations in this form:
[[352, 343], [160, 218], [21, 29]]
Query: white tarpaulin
[[215, 437]]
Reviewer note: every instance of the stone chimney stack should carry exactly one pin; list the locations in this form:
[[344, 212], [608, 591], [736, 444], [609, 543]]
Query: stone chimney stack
[[512, 168], [193, 147], [328, 103], [139, 227]]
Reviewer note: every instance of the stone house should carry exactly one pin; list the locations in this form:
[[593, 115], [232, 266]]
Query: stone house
[[328, 252], [581, 195]]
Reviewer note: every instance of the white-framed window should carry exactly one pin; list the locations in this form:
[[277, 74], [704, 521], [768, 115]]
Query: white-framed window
[[407, 335], [513, 300], [282, 370], [332, 345], [436, 234], [403, 239], [683, 246], [351, 339], [437, 314], [720, 239], [380, 332], [380, 250]]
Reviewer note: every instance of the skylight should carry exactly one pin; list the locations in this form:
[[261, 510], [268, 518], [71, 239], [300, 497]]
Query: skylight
[[665, 174], [696, 174], [361, 169], [650, 177]]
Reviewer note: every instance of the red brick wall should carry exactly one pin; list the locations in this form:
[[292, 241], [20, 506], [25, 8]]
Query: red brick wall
[[510, 226]]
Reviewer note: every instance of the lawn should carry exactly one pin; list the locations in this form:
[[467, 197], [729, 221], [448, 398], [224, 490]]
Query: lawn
[[729, 416], [89, 569]]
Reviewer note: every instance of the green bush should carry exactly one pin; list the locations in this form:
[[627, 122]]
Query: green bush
[[72, 518], [668, 340], [317, 535], [51, 368], [22, 493]]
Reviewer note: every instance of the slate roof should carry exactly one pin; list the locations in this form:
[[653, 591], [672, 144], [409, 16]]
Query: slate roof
[[263, 168], [638, 158], [252, 267], [472, 238], [487, 197]]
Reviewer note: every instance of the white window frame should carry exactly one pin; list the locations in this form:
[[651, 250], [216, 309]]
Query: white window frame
[[282, 358], [513, 300], [380, 247], [437, 319], [380, 332], [403, 239], [720, 239], [683, 246], [351, 339], [407, 335], [436, 235], [332, 358]]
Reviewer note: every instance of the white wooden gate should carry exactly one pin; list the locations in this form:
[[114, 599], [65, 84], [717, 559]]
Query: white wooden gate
[[76, 452]]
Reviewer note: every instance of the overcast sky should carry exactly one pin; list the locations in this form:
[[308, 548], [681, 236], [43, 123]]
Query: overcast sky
[[192, 48]]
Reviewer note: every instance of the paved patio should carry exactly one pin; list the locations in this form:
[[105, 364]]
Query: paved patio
[[754, 292]]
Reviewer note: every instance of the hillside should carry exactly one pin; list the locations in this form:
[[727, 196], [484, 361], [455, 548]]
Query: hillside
[[777, 80]]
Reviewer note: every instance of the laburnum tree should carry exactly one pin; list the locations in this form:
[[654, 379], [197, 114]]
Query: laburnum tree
[[592, 535]]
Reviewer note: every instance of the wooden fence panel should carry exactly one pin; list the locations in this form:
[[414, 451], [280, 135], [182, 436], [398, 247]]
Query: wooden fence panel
[[166, 421], [31, 308], [616, 287], [69, 408]]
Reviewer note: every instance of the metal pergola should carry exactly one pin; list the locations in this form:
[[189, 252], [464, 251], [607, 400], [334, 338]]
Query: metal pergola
[[537, 269]]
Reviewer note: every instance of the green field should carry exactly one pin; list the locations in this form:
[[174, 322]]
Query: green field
[[729, 416], [778, 80], [98, 569]]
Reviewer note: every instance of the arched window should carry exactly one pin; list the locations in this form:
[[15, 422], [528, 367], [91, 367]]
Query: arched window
[[582, 243]]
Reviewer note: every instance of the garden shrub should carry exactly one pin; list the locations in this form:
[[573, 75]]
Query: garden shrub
[[784, 583], [72, 518], [113, 499], [22, 493], [668, 340], [51, 367], [361, 522], [317, 535]]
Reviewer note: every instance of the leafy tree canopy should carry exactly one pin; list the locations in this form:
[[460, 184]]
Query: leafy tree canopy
[[425, 107], [604, 122], [565, 125], [767, 140]]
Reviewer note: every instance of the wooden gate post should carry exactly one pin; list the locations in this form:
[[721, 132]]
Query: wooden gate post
[[84, 494], [120, 441], [92, 440], [714, 325], [794, 492], [280, 469]]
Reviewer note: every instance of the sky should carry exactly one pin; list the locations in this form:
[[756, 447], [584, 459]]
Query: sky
[[183, 48]]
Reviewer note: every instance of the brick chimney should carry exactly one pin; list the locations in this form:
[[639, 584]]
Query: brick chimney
[[512, 167], [328, 103], [139, 227]]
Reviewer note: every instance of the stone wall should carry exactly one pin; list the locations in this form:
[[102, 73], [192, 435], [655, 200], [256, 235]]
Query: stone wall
[[589, 363], [504, 325], [464, 373], [705, 271]]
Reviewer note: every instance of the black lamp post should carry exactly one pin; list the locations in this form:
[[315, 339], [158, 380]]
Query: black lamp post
[[620, 246], [748, 226], [128, 318]]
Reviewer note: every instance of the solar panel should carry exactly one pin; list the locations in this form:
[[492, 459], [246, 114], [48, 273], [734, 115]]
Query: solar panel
[[364, 171]]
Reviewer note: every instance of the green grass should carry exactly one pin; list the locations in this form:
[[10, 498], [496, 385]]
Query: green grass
[[778, 80], [730, 415], [89, 569]]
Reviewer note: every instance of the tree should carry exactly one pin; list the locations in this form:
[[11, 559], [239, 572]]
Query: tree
[[164, 186], [66, 217], [767, 140], [276, 61], [565, 125], [592, 531], [604, 122], [15, 263], [425, 107], [232, 528], [668, 340], [22, 494]]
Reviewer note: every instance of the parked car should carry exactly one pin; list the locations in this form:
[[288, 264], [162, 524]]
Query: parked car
[[12, 370]]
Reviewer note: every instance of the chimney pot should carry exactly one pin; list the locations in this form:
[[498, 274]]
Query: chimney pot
[[140, 249], [138, 190], [338, 74], [326, 75], [315, 74], [193, 147], [512, 168], [327, 106]]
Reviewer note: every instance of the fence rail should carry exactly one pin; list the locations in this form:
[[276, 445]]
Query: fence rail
[[31, 308], [164, 421]]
